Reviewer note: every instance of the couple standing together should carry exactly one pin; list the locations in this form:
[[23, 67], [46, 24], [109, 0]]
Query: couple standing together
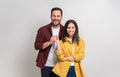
[[60, 47]]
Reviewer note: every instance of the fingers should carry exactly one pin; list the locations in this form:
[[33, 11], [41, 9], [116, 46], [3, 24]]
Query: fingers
[[54, 39], [70, 58]]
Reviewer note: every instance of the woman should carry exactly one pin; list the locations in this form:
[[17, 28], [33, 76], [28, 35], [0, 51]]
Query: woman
[[70, 52]]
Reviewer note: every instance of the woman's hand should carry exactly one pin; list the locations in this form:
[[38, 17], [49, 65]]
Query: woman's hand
[[70, 58]]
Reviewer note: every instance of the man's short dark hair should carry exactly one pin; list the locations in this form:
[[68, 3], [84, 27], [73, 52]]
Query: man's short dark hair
[[56, 8]]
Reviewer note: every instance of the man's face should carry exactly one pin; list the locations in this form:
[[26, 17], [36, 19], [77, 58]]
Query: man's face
[[56, 17]]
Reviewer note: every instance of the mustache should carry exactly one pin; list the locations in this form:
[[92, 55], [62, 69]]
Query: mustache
[[56, 20]]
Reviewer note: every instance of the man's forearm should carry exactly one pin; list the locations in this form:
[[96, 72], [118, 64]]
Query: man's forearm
[[46, 44]]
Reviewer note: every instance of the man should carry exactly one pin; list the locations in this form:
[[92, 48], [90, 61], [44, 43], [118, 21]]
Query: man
[[45, 43]]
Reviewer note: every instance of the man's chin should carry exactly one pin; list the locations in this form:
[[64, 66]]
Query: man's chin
[[56, 24]]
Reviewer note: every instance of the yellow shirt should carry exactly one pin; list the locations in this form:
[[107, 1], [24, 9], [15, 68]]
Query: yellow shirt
[[61, 68]]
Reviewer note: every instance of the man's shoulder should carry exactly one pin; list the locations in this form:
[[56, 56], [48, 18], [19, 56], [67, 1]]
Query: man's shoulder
[[44, 27]]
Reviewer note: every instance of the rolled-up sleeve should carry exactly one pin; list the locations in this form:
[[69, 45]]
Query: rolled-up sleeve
[[39, 40], [60, 55]]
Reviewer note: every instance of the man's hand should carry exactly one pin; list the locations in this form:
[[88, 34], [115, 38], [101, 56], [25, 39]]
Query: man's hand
[[53, 39]]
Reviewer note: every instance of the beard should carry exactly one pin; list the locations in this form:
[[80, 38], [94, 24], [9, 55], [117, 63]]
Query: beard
[[56, 22]]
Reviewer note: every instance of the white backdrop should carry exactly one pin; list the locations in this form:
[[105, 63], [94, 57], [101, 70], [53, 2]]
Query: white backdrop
[[99, 24]]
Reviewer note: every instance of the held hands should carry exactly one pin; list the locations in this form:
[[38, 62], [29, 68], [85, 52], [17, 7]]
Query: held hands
[[54, 39], [50, 42]]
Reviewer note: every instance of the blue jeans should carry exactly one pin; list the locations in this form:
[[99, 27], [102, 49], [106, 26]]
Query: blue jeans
[[46, 72], [71, 72]]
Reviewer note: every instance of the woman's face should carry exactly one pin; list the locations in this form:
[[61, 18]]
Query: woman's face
[[71, 29]]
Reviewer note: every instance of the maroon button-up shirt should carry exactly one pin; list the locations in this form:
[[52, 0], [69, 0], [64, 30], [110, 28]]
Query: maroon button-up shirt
[[44, 34]]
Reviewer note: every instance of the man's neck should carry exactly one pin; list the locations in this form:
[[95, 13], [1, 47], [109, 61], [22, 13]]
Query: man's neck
[[56, 26]]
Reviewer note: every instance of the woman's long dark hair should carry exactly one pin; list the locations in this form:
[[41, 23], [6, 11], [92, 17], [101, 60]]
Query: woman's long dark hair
[[75, 36]]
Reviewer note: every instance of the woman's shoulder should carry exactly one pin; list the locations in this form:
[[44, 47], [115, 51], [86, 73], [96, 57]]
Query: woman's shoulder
[[81, 40]]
